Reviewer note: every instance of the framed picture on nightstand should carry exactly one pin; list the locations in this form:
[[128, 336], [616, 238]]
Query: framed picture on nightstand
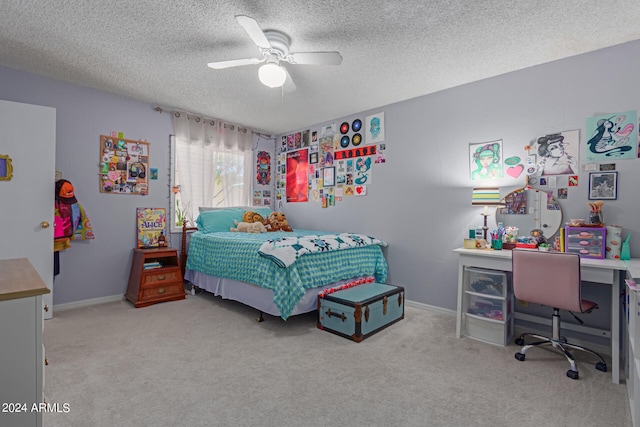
[[603, 186]]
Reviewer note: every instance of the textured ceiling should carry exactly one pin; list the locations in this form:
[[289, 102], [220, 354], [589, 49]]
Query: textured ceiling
[[157, 50]]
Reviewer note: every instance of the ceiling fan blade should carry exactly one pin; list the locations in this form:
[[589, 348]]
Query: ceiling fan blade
[[315, 58], [234, 63], [288, 85], [254, 31]]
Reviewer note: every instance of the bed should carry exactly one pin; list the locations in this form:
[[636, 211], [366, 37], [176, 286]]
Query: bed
[[278, 273]]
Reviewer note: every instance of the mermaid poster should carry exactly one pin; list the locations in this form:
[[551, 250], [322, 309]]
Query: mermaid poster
[[612, 136], [485, 160]]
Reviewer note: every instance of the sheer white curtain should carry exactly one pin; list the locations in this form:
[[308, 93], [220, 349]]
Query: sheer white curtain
[[213, 163]]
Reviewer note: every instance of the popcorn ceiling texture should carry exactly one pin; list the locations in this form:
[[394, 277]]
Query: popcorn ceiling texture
[[157, 50]]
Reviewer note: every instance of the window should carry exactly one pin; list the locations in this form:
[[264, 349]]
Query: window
[[211, 163]]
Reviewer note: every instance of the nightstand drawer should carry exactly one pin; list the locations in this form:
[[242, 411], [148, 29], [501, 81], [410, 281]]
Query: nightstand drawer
[[161, 275], [162, 291]]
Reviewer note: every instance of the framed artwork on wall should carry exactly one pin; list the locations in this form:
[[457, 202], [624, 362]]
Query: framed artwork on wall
[[6, 168], [603, 186], [328, 179]]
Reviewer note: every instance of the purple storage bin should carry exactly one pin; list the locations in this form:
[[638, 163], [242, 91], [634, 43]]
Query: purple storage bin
[[588, 242]]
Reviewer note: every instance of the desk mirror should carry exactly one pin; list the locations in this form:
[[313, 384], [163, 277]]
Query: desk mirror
[[528, 209]]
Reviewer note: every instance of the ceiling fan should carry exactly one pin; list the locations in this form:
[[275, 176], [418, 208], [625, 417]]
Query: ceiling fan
[[274, 47]]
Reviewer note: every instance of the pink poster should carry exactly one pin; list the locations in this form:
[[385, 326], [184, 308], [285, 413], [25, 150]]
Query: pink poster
[[298, 176]]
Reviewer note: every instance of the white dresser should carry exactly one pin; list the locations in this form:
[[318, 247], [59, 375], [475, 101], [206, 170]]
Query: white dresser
[[21, 351]]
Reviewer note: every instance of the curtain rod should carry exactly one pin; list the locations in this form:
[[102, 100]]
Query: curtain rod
[[166, 110]]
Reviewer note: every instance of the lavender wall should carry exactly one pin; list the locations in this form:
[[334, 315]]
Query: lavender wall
[[100, 267], [419, 200]]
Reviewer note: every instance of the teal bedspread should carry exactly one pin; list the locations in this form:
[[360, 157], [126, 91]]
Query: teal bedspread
[[235, 256]]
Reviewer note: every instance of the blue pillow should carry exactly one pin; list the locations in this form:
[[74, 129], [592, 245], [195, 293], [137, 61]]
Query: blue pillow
[[218, 220]]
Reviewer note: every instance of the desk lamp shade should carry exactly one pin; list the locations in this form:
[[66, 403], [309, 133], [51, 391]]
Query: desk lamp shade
[[486, 197]]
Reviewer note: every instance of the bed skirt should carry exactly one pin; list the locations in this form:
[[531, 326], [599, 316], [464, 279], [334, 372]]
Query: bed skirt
[[253, 295]]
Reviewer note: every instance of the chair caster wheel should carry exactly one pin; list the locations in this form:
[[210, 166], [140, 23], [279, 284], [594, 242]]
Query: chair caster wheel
[[519, 341], [572, 374], [601, 366], [519, 356]]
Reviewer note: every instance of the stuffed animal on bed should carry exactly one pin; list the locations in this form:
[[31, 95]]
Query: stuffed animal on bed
[[277, 221], [248, 227], [251, 216]]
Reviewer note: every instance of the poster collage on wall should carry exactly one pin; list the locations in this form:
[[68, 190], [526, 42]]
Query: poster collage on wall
[[551, 161], [324, 166], [124, 165]]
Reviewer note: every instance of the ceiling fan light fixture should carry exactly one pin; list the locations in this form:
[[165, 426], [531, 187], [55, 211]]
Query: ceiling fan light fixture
[[272, 75]]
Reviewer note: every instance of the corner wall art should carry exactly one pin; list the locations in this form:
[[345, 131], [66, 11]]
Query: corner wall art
[[334, 161]]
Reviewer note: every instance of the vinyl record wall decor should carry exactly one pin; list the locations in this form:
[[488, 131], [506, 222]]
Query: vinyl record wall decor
[[350, 133]]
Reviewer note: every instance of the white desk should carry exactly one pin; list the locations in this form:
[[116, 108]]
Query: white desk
[[605, 271]]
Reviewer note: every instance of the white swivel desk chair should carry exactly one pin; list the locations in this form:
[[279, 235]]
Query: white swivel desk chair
[[551, 279]]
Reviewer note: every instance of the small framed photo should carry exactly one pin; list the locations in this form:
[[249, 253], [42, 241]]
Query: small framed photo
[[6, 168], [329, 176], [603, 186]]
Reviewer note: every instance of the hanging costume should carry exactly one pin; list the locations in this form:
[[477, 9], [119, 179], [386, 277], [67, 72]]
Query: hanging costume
[[70, 221]]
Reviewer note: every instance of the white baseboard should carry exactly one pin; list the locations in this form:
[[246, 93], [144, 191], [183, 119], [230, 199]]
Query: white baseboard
[[423, 306], [87, 302]]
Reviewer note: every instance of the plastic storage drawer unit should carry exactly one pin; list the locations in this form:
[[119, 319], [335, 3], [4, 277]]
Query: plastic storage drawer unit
[[488, 305]]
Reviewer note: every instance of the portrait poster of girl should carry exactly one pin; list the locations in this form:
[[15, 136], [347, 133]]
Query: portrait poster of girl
[[612, 136], [557, 153], [485, 160]]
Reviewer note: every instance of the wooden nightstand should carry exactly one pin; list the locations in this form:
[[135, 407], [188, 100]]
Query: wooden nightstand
[[152, 285]]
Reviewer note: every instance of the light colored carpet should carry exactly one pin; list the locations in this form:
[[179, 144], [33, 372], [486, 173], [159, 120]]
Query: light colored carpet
[[206, 362]]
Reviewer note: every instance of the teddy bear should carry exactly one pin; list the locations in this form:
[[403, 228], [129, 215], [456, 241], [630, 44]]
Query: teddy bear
[[251, 216], [277, 221], [248, 227]]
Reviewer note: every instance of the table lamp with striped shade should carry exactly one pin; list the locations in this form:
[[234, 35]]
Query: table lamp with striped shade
[[486, 197]]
